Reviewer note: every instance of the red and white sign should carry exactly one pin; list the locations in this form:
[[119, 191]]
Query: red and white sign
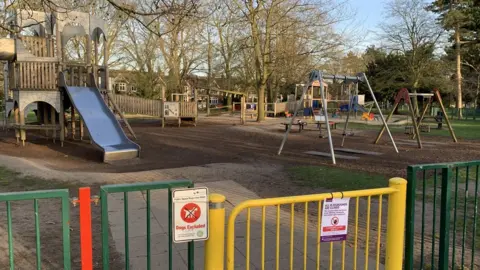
[[334, 220], [190, 214]]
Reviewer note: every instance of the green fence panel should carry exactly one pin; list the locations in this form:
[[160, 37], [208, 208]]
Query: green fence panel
[[144, 187], [442, 202], [35, 196]]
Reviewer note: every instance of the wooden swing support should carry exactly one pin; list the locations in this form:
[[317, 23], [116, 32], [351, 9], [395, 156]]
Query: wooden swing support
[[404, 95]]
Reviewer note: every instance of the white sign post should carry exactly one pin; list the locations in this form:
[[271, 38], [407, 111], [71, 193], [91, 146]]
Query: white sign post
[[190, 214], [334, 220]]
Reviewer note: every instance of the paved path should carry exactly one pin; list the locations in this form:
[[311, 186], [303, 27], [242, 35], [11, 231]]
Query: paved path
[[235, 194], [212, 176]]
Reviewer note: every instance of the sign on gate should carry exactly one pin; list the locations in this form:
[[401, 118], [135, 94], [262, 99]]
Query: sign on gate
[[190, 214], [334, 220]]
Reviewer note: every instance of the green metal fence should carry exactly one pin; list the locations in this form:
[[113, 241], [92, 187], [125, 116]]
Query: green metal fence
[[468, 113], [143, 187], [441, 231], [62, 194]]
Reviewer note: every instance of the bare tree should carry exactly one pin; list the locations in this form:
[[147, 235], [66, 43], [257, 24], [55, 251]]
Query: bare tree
[[270, 21], [412, 31]]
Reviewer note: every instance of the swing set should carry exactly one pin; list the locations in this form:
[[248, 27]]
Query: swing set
[[417, 120], [317, 78]]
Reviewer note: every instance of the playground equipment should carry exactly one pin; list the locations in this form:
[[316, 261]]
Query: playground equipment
[[404, 95], [38, 70], [317, 78]]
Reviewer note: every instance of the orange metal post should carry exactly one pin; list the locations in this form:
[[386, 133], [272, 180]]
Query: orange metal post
[[85, 228]]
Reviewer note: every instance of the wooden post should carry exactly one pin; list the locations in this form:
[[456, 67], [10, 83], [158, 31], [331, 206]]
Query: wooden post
[[61, 119], [81, 128], [105, 65], [95, 59], [17, 121], [88, 55], [22, 124], [386, 121], [72, 119], [423, 114], [242, 110], [162, 105], [208, 102], [45, 119], [415, 126], [40, 112], [450, 128], [53, 122]]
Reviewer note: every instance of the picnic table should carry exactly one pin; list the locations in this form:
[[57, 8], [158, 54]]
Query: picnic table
[[332, 124], [301, 125]]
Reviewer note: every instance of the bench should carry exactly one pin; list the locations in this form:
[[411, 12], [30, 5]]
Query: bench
[[301, 125], [332, 124], [424, 128]]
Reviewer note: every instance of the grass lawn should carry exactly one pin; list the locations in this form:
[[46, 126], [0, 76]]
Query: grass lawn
[[335, 178], [464, 129], [13, 181]]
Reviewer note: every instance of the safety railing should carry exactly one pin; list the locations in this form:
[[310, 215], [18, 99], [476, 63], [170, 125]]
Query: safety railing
[[39, 46], [394, 234], [442, 210], [37, 75], [147, 188], [188, 109], [36, 196]]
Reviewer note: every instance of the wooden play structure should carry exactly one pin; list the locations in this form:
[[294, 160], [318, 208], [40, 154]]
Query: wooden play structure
[[417, 120], [317, 78], [40, 70]]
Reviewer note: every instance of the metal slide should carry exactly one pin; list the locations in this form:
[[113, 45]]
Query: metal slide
[[103, 127]]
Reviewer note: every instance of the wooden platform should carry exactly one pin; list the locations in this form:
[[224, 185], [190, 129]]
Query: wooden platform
[[35, 127], [323, 154], [355, 151]]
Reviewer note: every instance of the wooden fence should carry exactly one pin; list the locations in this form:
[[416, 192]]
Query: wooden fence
[[39, 46], [37, 75], [276, 108], [188, 109], [137, 105]]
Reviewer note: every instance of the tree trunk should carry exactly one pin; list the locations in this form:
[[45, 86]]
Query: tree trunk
[[476, 93], [415, 99], [261, 102], [209, 75], [229, 86], [459, 72]]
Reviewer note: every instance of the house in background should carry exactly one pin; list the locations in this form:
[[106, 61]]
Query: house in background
[[123, 82]]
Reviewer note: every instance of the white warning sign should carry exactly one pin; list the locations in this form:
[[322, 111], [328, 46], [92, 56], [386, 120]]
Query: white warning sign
[[334, 220], [190, 214]]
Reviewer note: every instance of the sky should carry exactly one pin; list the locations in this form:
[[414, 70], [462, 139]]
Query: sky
[[369, 14]]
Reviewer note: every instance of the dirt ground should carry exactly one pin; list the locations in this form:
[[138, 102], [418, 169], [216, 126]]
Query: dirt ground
[[223, 140]]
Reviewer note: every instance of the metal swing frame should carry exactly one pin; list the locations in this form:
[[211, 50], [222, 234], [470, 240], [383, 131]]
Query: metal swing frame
[[317, 75]]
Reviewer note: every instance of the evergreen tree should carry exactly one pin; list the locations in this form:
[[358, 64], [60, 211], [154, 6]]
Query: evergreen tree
[[461, 17]]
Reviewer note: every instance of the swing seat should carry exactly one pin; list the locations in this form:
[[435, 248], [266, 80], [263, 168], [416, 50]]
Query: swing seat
[[408, 129]]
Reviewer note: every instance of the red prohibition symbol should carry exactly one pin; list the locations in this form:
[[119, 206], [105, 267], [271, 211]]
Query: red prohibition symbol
[[190, 212]]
